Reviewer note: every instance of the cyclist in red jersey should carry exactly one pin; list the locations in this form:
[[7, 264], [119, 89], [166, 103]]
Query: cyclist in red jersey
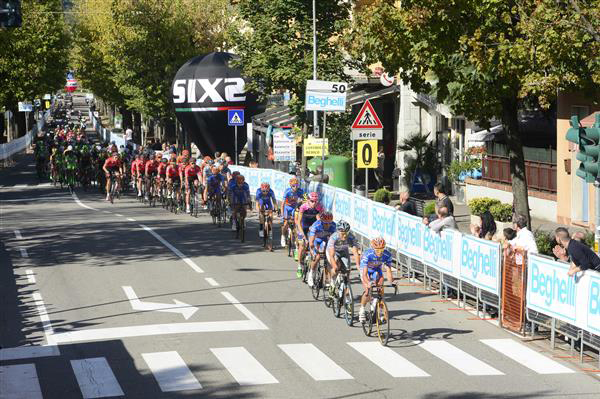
[[151, 170], [141, 172], [112, 165], [191, 177], [162, 174]]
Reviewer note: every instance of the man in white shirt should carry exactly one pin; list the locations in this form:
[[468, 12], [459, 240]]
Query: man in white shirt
[[525, 238]]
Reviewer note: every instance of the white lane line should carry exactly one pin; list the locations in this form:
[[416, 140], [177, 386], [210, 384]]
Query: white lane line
[[170, 371], [28, 352], [388, 360], [49, 198], [24, 253], [43, 314], [211, 281], [81, 204], [106, 212], [458, 359], [243, 367], [95, 378], [317, 364], [19, 382], [526, 356], [18, 235], [20, 186], [131, 220], [119, 215], [94, 334], [177, 252], [30, 276]]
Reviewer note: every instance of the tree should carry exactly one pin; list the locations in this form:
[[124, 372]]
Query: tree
[[477, 56], [34, 57], [275, 46]]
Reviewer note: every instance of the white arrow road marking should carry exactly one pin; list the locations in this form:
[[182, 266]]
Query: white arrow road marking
[[186, 310]]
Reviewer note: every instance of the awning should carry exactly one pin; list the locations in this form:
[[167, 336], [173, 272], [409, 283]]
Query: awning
[[281, 116], [487, 134]]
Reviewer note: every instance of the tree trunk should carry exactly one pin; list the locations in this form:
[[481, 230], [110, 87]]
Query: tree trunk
[[510, 120]]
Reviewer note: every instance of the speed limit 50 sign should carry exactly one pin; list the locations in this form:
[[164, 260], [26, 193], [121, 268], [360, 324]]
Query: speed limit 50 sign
[[367, 154]]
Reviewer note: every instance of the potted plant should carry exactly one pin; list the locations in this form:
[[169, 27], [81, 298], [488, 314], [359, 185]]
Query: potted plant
[[382, 195]]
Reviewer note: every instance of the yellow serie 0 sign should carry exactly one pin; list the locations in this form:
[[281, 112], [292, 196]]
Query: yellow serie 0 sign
[[367, 154]]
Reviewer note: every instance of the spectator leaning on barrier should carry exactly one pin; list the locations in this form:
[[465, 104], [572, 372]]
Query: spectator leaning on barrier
[[579, 255], [525, 238], [406, 205], [442, 199], [486, 228], [444, 220]]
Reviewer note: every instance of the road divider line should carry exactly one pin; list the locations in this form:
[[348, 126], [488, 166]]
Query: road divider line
[[119, 215], [95, 378], [243, 309], [51, 198], [106, 212], [177, 252], [526, 356], [81, 204], [458, 358], [43, 315], [243, 367], [28, 352], [388, 360], [19, 381], [30, 276], [170, 371], [316, 364], [211, 281]]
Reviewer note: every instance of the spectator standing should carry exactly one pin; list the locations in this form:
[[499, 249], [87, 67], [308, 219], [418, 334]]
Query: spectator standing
[[525, 238], [128, 135], [444, 221], [442, 200], [579, 255], [406, 205]]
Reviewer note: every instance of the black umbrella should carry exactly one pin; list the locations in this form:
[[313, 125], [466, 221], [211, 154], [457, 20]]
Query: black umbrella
[[204, 89]]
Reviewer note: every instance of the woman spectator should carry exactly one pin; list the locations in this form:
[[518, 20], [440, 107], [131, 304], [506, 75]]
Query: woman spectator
[[486, 228]]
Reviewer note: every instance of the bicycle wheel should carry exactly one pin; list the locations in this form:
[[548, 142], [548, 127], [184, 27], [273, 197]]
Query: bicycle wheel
[[348, 304], [367, 325], [317, 282], [269, 235], [242, 227], [337, 299], [196, 204], [383, 322]]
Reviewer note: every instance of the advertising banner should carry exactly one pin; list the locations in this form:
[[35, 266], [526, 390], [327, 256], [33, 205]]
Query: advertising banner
[[409, 235], [383, 222], [480, 263], [441, 251]]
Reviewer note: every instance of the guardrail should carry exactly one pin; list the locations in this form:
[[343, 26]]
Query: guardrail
[[18, 145], [106, 134], [467, 264]]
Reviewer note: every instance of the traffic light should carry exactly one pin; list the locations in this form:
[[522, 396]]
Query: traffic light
[[588, 140], [10, 14]]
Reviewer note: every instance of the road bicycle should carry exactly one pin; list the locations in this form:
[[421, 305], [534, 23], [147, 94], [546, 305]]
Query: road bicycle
[[319, 280], [215, 204], [341, 292], [376, 315], [290, 238], [240, 223], [267, 219]]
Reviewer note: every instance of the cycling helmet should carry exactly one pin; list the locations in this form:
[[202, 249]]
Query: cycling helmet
[[164, 160], [293, 181], [240, 178], [313, 197], [326, 217], [265, 186], [343, 226], [378, 243], [211, 162], [70, 148]]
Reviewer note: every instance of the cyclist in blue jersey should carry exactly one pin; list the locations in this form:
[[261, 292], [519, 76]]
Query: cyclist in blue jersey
[[318, 235], [265, 198], [338, 249], [239, 196], [214, 184], [291, 196], [371, 271]]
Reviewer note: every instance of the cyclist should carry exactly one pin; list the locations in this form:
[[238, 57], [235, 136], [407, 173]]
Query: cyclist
[[151, 170], [134, 172], [289, 205], [173, 177], [306, 216], [239, 196], [318, 234], [70, 162], [162, 175], [191, 177], [265, 198], [214, 184], [141, 172], [371, 272], [224, 170], [338, 249], [112, 166]]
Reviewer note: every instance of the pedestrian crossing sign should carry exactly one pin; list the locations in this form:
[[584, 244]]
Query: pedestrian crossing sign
[[367, 118], [235, 117]]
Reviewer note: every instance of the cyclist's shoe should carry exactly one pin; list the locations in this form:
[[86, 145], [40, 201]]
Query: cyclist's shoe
[[309, 279], [107, 197], [282, 241], [187, 210], [261, 233], [299, 271], [331, 290], [362, 317], [139, 193]]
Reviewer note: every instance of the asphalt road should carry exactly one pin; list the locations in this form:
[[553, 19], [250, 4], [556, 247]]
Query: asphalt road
[[88, 301]]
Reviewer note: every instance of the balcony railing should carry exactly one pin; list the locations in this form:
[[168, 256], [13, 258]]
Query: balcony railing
[[541, 176]]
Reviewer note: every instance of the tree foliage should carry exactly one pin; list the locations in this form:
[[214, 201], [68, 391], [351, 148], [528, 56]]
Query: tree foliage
[[34, 58], [483, 58]]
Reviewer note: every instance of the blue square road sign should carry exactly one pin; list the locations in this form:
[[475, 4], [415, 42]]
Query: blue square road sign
[[235, 117]]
